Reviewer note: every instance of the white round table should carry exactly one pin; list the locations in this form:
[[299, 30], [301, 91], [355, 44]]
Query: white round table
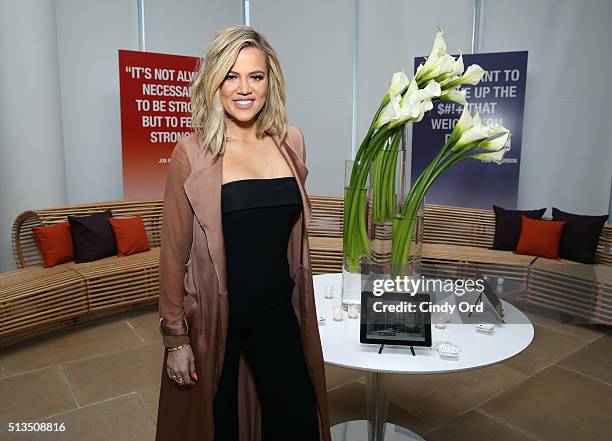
[[341, 347]]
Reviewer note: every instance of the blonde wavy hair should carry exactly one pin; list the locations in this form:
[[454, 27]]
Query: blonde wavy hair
[[208, 114]]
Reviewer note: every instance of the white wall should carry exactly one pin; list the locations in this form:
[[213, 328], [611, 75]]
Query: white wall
[[61, 122], [314, 41], [185, 27], [566, 158], [390, 35], [31, 148], [89, 34]]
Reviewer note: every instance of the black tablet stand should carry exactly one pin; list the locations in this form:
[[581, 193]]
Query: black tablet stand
[[475, 303], [383, 345]]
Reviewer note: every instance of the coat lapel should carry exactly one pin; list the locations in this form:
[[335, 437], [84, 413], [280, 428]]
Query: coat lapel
[[203, 189]]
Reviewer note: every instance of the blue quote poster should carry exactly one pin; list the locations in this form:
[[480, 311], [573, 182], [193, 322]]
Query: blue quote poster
[[499, 98]]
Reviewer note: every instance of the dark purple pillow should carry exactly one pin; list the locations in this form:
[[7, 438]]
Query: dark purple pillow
[[92, 236], [580, 235], [508, 226]]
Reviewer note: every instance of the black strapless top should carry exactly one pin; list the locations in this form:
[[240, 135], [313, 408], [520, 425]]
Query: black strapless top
[[258, 215]]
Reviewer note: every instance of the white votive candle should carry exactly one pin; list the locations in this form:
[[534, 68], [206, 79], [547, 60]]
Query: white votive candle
[[500, 283], [440, 320], [328, 291], [337, 312], [353, 312]]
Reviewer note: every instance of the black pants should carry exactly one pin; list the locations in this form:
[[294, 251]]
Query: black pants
[[271, 343]]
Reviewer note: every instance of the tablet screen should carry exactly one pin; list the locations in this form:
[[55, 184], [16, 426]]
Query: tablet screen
[[395, 319]]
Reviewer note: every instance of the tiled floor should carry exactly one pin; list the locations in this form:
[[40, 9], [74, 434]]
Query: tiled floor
[[101, 381]]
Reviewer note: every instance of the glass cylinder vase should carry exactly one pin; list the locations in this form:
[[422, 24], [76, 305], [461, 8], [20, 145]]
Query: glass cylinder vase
[[356, 244], [382, 239], [407, 244], [395, 232], [389, 184]]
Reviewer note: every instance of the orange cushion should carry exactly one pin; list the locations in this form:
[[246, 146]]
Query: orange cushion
[[130, 235], [55, 243], [540, 237]]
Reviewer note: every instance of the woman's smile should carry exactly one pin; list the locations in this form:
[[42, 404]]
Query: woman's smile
[[244, 104]]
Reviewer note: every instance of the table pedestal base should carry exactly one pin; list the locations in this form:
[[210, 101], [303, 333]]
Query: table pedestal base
[[375, 428], [358, 431]]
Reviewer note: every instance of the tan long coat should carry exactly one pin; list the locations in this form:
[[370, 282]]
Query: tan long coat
[[193, 299]]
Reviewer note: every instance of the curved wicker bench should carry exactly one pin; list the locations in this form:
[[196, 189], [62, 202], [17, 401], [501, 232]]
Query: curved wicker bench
[[35, 300], [325, 234], [457, 242]]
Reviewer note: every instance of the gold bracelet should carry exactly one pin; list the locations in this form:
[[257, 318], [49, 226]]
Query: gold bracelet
[[176, 348]]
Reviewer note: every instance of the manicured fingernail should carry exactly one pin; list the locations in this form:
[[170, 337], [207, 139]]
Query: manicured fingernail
[[195, 376]]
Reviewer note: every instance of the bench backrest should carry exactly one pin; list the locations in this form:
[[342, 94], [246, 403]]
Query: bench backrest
[[327, 216], [458, 226], [25, 247], [604, 246], [443, 224]]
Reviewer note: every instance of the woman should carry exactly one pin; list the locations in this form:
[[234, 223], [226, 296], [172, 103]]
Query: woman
[[237, 313]]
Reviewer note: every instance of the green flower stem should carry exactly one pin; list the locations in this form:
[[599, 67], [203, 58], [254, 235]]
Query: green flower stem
[[377, 176], [406, 226], [412, 203], [383, 179], [371, 130], [403, 234], [442, 155], [388, 185], [356, 241]]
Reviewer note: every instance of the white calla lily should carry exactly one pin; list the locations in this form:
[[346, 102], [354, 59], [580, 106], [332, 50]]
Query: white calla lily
[[458, 65], [391, 111], [472, 75], [452, 73], [465, 121], [432, 90], [432, 62], [409, 105], [451, 79], [425, 106], [399, 82], [455, 94], [438, 49], [476, 133], [411, 94], [446, 66], [416, 102], [496, 156], [464, 124], [497, 141]]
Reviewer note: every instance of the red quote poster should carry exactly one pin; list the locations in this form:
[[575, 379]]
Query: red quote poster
[[155, 99]]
